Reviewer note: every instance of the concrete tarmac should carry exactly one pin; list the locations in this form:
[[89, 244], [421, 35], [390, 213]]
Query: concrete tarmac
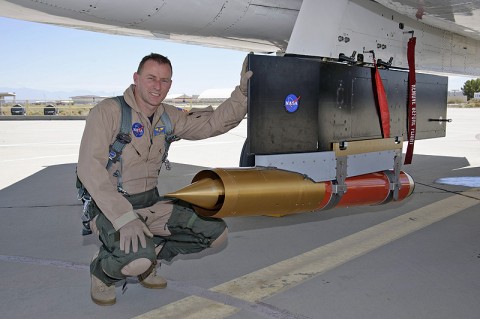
[[415, 259]]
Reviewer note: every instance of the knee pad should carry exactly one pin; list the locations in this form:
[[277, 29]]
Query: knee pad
[[136, 267], [220, 240]]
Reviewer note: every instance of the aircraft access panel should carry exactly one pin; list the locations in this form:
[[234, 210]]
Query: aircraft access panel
[[304, 104]]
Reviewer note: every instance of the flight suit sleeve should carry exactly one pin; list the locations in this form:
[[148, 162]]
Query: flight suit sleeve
[[101, 127], [203, 124]]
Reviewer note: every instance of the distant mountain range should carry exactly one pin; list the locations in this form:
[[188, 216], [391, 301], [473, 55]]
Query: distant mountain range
[[44, 95]]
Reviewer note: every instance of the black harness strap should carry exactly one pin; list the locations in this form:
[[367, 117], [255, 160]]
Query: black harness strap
[[123, 136]]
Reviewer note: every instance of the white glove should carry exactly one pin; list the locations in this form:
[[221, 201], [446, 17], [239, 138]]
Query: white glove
[[244, 77], [131, 232]]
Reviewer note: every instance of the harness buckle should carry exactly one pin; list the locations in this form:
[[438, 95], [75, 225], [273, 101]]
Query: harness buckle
[[167, 165], [124, 138]]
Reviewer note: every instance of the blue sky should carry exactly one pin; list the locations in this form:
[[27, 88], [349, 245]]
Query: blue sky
[[50, 58]]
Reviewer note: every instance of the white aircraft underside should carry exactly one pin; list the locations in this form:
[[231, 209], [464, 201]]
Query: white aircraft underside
[[447, 31]]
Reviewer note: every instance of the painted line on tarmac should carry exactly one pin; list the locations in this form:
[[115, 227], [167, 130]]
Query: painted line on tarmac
[[266, 282], [37, 158], [210, 301], [197, 307], [41, 144], [44, 262], [217, 305], [200, 144]]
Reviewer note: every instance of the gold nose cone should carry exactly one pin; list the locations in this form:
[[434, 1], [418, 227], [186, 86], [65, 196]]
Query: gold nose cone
[[204, 193]]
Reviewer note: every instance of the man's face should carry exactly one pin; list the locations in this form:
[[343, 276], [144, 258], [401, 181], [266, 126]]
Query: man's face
[[152, 85]]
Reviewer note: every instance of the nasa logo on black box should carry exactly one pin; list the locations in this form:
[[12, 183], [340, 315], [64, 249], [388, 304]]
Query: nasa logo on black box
[[291, 103]]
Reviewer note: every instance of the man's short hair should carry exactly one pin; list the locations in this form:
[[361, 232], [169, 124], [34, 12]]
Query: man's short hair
[[160, 59]]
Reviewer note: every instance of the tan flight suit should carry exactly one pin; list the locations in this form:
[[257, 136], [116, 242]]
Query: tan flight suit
[[142, 158]]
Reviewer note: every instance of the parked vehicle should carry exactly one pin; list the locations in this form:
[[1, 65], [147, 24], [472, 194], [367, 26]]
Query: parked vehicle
[[18, 109], [50, 110]]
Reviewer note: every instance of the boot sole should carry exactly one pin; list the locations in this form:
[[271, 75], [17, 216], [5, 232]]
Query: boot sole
[[153, 286], [104, 302]]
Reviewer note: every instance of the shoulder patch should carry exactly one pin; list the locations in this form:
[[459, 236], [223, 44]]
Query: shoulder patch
[[159, 130]]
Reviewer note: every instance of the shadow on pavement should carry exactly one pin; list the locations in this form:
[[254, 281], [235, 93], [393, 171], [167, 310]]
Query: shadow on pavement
[[55, 187]]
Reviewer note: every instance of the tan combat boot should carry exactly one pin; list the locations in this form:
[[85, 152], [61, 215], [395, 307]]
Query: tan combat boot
[[100, 293], [150, 279]]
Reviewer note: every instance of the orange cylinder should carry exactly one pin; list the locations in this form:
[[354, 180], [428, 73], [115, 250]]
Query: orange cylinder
[[368, 189]]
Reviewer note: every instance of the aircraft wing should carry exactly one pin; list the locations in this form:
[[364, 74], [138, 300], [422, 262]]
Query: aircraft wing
[[447, 31]]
